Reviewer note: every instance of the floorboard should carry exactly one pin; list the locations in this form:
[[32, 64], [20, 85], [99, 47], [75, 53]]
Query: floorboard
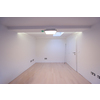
[[50, 73]]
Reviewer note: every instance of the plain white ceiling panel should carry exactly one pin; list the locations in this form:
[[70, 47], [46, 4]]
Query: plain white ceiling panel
[[34, 25], [49, 21]]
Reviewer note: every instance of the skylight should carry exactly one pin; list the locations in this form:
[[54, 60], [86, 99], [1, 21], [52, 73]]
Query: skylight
[[58, 34]]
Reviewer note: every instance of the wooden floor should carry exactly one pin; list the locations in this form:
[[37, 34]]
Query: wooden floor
[[50, 73]]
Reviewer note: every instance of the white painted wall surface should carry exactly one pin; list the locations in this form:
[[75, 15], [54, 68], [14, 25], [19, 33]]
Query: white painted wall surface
[[88, 53], [16, 51], [52, 49]]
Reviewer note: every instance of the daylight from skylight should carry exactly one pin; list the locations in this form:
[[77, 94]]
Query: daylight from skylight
[[58, 34]]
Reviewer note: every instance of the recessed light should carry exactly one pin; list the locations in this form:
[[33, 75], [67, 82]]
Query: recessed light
[[50, 31], [21, 33]]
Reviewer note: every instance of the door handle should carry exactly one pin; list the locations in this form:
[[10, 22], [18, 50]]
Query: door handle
[[74, 53]]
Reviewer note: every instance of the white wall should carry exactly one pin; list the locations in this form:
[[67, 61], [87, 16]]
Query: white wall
[[88, 53], [16, 51], [52, 49]]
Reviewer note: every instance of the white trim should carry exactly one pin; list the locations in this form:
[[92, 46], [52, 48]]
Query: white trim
[[49, 62]]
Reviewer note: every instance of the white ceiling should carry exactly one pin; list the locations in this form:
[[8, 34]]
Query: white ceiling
[[49, 21], [34, 25]]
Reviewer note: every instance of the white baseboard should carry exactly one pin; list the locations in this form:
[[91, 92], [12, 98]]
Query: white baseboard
[[50, 62]]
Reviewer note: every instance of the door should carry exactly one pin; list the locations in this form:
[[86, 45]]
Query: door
[[71, 51]]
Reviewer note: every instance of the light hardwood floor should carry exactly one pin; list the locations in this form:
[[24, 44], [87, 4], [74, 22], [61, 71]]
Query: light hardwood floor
[[50, 73]]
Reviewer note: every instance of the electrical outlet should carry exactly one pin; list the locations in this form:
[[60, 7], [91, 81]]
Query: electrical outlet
[[45, 58], [98, 76], [31, 60], [93, 73]]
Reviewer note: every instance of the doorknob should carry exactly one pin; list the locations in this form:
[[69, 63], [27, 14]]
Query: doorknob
[[74, 53]]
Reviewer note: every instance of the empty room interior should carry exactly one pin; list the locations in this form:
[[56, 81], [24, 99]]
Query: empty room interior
[[49, 50]]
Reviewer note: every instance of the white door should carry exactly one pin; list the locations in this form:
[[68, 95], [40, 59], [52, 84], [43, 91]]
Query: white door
[[71, 51]]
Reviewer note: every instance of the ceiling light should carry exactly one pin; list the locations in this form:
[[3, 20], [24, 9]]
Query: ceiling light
[[50, 31], [21, 33]]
